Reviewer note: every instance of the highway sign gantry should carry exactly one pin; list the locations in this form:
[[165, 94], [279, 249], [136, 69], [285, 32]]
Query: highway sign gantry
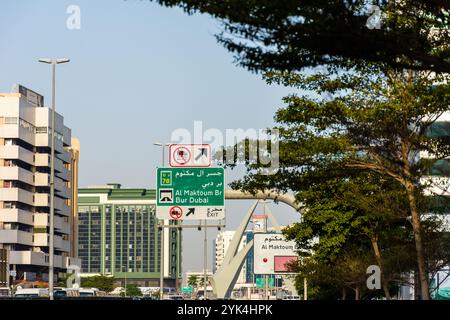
[[190, 155], [190, 193]]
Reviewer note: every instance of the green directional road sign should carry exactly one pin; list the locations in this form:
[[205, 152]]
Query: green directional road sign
[[261, 283], [186, 289], [190, 193]]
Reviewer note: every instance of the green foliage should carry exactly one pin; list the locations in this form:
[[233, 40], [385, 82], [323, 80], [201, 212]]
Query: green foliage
[[296, 34], [132, 290], [193, 281], [347, 149], [102, 283]]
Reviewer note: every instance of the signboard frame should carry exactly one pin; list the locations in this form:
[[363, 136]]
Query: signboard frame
[[177, 205], [264, 263]]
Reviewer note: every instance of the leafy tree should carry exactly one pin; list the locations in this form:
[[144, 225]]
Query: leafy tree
[[331, 279], [370, 120], [102, 283], [361, 217], [132, 290], [296, 34]]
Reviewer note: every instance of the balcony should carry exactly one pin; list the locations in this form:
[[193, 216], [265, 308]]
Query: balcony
[[16, 173], [41, 220], [41, 200], [42, 140], [9, 131], [63, 208], [61, 189], [41, 179], [16, 194], [42, 160], [16, 215], [64, 156], [42, 240], [61, 225], [63, 174], [35, 258], [16, 152], [16, 237]]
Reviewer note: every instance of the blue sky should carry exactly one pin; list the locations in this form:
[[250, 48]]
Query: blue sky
[[137, 72]]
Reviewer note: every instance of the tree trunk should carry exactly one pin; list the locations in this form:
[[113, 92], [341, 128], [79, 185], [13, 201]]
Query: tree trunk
[[357, 293], [344, 294], [377, 253], [417, 228]]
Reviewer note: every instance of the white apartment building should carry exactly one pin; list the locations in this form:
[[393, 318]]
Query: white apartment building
[[221, 244], [25, 141]]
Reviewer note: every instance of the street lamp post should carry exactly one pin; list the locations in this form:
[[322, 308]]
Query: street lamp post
[[53, 62], [161, 258]]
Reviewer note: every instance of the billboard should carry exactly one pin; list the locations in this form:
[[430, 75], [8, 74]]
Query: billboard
[[272, 253]]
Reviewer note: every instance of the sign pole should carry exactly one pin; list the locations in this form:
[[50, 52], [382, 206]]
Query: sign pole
[[205, 258], [161, 271]]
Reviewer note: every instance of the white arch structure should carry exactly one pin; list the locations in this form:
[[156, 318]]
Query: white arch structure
[[224, 279]]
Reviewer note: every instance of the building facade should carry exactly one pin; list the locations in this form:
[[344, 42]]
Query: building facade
[[75, 159], [118, 235], [25, 141]]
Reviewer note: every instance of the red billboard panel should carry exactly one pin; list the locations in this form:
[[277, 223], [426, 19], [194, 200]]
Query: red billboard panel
[[281, 263]]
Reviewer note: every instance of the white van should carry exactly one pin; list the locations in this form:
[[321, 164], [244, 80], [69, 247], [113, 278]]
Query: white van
[[31, 293]]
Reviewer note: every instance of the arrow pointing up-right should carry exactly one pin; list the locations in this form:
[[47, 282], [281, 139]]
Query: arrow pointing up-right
[[203, 153]]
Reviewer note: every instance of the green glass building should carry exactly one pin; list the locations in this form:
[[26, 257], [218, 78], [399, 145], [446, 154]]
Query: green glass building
[[118, 235]]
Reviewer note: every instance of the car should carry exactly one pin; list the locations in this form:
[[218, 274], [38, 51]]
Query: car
[[175, 297]]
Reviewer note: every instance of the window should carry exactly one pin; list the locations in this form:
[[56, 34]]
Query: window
[[41, 129], [10, 120]]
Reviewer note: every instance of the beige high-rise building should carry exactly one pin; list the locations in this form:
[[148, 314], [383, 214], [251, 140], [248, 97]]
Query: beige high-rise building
[[75, 153], [25, 141]]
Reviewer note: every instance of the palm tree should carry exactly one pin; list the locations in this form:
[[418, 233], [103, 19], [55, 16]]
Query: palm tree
[[193, 281]]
